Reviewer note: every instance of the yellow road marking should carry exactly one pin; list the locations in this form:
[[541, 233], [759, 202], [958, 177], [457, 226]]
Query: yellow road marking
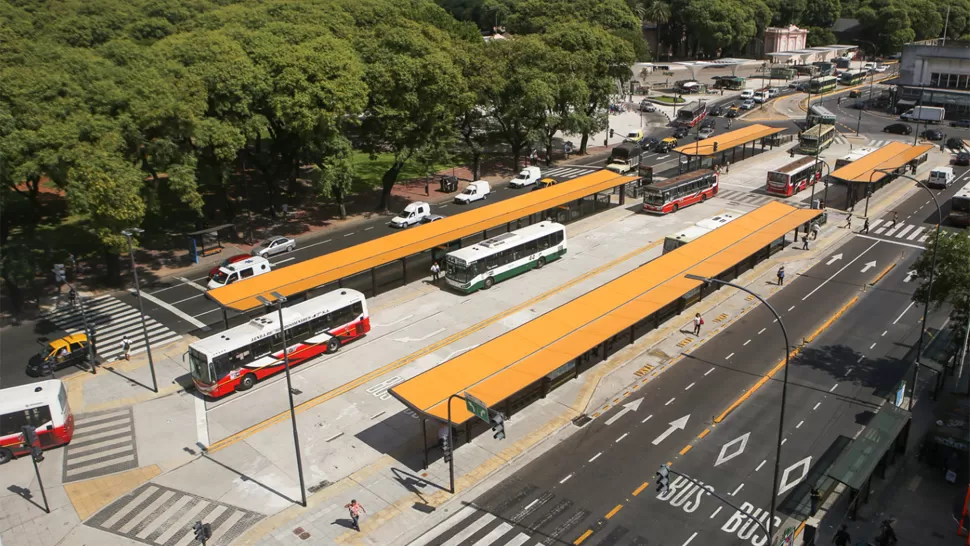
[[705, 433], [883, 274], [640, 489], [686, 449], [349, 386], [583, 537], [613, 512]]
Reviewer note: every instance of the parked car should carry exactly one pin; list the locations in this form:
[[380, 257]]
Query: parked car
[[898, 129], [960, 123], [681, 132], [716, 111], [227, 261], [647, 106], [648, 142], [748, 104], [954, 143], [747, 94], [962, 158], [60, 353], [705, 132], [933, 134], [431, 218], [274, 246]]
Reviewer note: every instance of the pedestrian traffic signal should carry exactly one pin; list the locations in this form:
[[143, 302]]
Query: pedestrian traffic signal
[[203, 531], [30, 440], [611, 133], [498, 426], [446, 450], [663, 479], [59, 274]]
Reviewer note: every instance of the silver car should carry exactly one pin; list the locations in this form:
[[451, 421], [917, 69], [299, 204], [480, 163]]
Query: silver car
[[705, 132], [274, 246]]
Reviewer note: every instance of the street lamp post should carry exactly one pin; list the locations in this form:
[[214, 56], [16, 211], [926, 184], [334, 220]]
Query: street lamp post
[[84, 316], [141, 308], [784, 388], [278, 302]]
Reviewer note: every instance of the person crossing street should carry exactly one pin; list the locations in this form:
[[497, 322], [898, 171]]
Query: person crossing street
[[865, 226], [126, 347]]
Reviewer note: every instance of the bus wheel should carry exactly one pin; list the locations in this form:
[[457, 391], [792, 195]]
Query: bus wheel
[[333, 345], [676, 207], [540, 262], [5, 455], [489, 282], [703, 197], [247, 382]]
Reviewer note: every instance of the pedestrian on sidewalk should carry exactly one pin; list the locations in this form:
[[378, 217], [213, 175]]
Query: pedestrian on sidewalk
[[727, 167], [126, 347], [895, 217], [848, 222], [355, 509], [865, 226], [698, 322], [842, 537], [815, 230], [805, 242], [781, 276], [435, 272], [816, 500], [887, 537]]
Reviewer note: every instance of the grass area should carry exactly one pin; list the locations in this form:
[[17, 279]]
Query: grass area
[[370, 171], [668, 100]]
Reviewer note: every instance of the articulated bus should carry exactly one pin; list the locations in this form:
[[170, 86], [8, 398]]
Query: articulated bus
[[678, 192], [239, 357], [503, 256], [818, 114], [822, 84], [794, 177], [853, 77], [816, 138], [960, 207], [673, 242], [691, 113], [42, 405]]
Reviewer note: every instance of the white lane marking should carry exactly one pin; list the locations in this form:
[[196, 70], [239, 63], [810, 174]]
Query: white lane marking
[[206, 312], [735, 492], [889, 241], [304, 247], [201, 421], [790, 308], [761, 331], [833, 387], [283, 261], [783, 441], [187, 299], [473, 528], [871, 346], [625, 434], [728, 357], [716, 511], [494, 534], [799, 425], [368, 228], [349, 234], [402, 319], [687, 388], [174, 310], [647, 419], [422, 338], [902, 233], [566, 479], [597, 456], [689, 539], [669, 402], [826, 281], [708, 371], [861, 358], [774, 321], [746, 342], [884, 333], [815, 407], [911, 304], [190, 283], [760, 465]]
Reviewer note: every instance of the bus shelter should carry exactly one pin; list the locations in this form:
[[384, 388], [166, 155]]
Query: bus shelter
[[725, 148], [526, 363], [865, 176]]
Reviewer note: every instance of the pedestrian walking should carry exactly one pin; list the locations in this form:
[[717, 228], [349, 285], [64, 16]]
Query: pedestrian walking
[[805, 242], [895, 217], [355, 509], [887, 537], [781, 276], [815, 230], [848, 222], [727, 167], [435, 272], [698, 322], [816, 500], [126, 347], [842, 537], [865, 226]]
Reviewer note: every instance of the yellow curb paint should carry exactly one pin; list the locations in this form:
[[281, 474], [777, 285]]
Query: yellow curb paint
[[640, 489], [705, 433], [800, 529], [583, 537], [613, 512], [686, 449], [883, 274], [89, 496]]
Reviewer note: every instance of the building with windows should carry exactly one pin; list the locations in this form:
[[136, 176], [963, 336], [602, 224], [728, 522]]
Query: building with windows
[[934, 73], [788, 38]]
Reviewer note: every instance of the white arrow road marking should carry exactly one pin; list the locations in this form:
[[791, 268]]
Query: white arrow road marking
[[785, 484], [459, 351], [868, 266], [724, 456], [402, 319], [627, 408], [834, 259], [422, 338], [679, 424], [909, 276]]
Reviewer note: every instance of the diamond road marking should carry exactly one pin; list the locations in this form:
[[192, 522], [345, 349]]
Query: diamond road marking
[[724, 456], [785, 484]]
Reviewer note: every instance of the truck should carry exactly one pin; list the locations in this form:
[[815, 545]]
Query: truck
[[625, 158], [928, 114], [412, 214]]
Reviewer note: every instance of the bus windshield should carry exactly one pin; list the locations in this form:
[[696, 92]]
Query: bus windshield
[[653, 198], [200, 368], [462, 273]]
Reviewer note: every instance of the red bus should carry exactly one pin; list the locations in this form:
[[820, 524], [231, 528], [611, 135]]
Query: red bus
[[239, 357], [691, 113], [678, 192], [794, 177], [42, 405]]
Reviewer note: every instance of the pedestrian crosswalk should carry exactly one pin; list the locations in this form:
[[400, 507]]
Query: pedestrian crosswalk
[[103, 443], [568, 172], [746, 197], [880, 143], [111, 319], [839, 139], [912, 233], [158, 515]]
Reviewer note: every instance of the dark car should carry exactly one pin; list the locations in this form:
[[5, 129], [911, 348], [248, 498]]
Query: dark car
[[954, 143], [708, 122], [859, 105], [733, 112], [648, 142], [933, 134], [962, 158], [898, 129], [960, 123], [855, 93], [227, 261], [681, 132], [59, 353], [716, 111]]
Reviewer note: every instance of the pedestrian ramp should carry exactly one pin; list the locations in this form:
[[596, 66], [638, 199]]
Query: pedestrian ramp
[[111, 319], [158, 515]]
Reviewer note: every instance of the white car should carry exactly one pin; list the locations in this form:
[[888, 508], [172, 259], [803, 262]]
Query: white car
[[274, 246], [747, 94], [882, 68]]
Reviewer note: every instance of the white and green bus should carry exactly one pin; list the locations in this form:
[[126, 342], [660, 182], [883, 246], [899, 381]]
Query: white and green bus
[[503, 256]]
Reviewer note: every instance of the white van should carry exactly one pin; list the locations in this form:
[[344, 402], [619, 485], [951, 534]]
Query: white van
[[475, 191], [528, 176], [940, 177], [228, 274], [747, 94], [412, 214], [760, 96]]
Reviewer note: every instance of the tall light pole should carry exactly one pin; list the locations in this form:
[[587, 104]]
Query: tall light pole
[[141, 308], [784, 389], [278, 301]]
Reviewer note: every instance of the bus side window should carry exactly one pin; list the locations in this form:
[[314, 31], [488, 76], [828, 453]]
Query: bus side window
[[299, 332], [532, 247], [319, 324], [239, 356], [39, 416], [491, 262], [260, 348], [222, 366], [557, 237], [11, 423]]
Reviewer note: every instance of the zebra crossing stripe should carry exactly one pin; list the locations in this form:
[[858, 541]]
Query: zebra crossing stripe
[[905, 230], [875, 223], [915, 234], [467, 532], [518, 540], [494, 535], [453, 521]]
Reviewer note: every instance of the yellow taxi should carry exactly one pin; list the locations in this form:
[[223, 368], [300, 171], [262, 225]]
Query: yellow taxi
[[545, 183], [59, 353]]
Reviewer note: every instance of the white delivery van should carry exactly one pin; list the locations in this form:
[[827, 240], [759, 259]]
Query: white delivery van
[[475, 191], [940, 177], [411, 215], [528, 176], [228, 274]]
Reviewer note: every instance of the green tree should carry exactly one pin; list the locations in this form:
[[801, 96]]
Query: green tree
[[951, 284], [821, 14], [820, 37]]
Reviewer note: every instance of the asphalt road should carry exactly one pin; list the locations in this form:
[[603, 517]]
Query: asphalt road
[[601, 479]]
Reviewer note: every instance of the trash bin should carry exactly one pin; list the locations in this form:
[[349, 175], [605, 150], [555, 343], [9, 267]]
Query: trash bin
[[449, 184]]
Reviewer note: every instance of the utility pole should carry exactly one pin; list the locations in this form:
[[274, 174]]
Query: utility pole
[[141, 308]]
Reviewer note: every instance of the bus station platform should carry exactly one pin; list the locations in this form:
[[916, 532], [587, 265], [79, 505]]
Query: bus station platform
[[864, 176], [726, 147], [382, 264]]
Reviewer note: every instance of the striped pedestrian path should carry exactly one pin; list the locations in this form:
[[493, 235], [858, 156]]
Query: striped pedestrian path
[[912, 233], [103, 443], [568, 172]]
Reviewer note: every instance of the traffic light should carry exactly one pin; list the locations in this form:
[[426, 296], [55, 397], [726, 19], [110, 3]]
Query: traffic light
[[30, 440], [715, 146], [498, 426], [611, 133], [203, 531], [663, 479], [446, 450]]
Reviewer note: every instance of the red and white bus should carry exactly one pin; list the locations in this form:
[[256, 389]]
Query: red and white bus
[[42, 405], [691, 113], [794, 177], [239, 357], [678, 192]]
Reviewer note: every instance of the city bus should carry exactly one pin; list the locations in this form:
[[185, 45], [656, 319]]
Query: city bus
[[678, 192], [822, 84], [794, 177], [239, 357], [673, 242], [503, 256], [853, 77], [42, 405], [691, 113], [819, 114], [853, 156], [960, 207], [816, 138]]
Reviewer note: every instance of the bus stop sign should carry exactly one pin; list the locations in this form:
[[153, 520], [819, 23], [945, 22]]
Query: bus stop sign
[[477, 407]]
